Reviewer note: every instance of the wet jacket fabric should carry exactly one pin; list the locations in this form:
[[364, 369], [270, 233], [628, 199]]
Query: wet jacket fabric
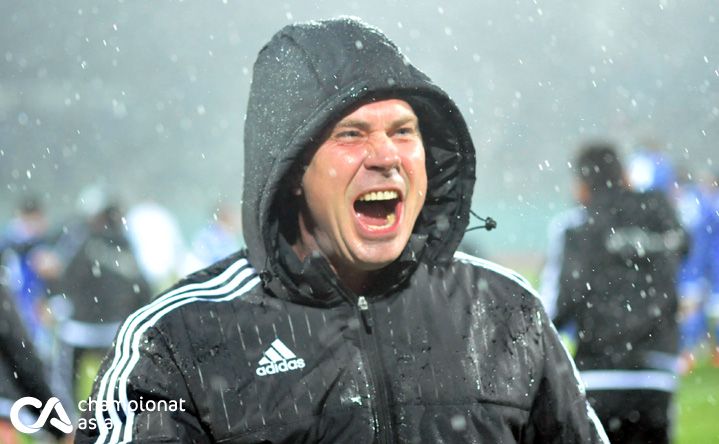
[[263, 347]]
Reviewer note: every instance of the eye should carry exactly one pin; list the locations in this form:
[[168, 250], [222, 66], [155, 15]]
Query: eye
[[347, 134], [406, 131]]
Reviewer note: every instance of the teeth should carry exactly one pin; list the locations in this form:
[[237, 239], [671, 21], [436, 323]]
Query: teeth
[[379, 195], [388, 223]]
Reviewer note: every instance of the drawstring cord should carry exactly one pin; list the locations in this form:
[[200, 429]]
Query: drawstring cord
[[489, 223]]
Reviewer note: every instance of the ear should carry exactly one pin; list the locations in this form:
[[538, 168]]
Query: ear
[[582, 192], [296, 180]]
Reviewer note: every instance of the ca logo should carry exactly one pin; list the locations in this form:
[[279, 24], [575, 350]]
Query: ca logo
[[63, 423]]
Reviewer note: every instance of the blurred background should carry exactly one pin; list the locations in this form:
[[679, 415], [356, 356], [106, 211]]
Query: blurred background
[[142, 104], [148, 98]]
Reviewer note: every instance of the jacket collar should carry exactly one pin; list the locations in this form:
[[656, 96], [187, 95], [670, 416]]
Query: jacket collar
[[312, 281]]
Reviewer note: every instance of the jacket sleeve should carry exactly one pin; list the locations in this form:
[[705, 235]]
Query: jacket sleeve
[[140, 396], [560, 411]]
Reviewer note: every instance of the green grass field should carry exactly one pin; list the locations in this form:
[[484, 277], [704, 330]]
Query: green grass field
[[698, 407]]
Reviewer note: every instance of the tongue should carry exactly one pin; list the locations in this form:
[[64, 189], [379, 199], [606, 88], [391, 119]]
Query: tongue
[[375, 212]]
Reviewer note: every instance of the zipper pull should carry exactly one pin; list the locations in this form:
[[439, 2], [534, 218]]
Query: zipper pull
[[366, 314]]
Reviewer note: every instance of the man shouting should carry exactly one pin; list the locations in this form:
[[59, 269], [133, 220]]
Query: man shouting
[[349, 318]]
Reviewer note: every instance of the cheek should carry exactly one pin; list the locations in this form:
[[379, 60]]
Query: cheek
[[348, 162], [327, 177], [339, 168], [414, 164]]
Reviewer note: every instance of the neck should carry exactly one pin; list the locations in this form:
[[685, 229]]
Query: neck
[[356, 280], [359, 281]]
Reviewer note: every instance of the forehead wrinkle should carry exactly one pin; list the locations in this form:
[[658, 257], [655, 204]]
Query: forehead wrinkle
[[364, 125]]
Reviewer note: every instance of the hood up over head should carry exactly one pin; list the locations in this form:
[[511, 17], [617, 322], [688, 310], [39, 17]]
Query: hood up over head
[[307, 78]]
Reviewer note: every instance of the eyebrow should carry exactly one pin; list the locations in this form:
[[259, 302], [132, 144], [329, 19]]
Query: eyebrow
[[353, 123], [405, 120]]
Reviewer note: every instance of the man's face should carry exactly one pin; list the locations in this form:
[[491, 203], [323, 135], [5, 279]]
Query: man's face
[[364, 188]]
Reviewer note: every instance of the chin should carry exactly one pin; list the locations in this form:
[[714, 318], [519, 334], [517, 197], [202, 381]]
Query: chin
[[377, 257]]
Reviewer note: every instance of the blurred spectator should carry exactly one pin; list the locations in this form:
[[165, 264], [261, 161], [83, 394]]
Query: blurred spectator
[[157, 242], [30, 265], [102, 284], [712, 259], [694, 208], [218, 239], [619, 256], [700, 275], [21, 372]]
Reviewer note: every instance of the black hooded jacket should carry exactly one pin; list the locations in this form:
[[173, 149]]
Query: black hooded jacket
[[265, 348]]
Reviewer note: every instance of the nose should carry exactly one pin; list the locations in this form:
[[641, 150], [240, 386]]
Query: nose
[[382, 153]]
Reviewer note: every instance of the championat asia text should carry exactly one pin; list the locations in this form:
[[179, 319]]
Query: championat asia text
[[101, 405]]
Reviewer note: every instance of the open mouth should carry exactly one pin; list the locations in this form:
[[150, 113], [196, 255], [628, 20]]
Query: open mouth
[[378, 210]]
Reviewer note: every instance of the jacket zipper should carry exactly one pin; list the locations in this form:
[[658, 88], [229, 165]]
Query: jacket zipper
[[368, 341], [370, 347]]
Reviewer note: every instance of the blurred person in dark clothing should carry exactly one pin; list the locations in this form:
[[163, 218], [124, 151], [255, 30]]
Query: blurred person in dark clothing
[[21, 372], [101, 285], [619, 257]]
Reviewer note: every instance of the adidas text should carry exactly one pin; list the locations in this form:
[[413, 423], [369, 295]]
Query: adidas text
[[282, 366], [278, 358]]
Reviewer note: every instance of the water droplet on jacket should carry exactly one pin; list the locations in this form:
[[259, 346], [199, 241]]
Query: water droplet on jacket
[[459, 423]]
